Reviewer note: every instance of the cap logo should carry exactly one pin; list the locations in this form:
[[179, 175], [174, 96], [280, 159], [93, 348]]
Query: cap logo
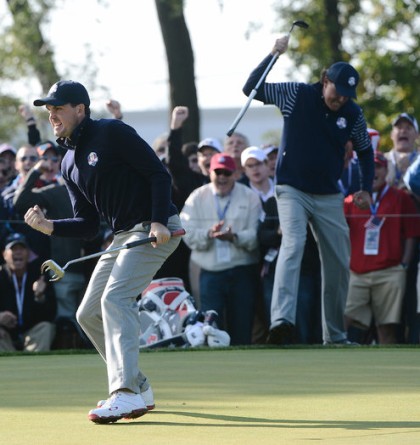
[[341, 123], [53, 89], [92, 159], [352, 81]]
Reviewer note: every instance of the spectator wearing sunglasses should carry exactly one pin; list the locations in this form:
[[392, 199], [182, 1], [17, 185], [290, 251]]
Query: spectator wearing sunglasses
[[26, 157], [221, 221]]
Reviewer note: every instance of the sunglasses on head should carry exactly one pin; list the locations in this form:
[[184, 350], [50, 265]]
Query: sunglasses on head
[[29, 158], [50, 158], [223, 172]]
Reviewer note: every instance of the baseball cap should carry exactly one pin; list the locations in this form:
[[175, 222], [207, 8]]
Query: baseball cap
[[268, 150], [212, 143], [380, 159], [7, 147], [44, 146], [345, 78], [222, 161], [65, 92], [14, 239], [374, 138], [252, 153], [407, 117]]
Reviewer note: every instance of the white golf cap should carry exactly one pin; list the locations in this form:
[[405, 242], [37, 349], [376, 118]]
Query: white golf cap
[[270, 149], [212, 143], [252, 153]]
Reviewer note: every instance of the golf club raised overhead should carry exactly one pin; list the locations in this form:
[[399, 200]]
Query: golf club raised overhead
[[299, 24]]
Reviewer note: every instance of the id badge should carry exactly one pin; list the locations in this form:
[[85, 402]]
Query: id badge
[[372, 235], [223, 251], [371, 246]]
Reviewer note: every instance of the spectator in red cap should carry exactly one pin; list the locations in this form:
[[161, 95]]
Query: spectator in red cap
[[382, 245], [221, 221]]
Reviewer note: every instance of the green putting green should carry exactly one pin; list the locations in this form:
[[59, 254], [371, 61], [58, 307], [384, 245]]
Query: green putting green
[[234, 396]]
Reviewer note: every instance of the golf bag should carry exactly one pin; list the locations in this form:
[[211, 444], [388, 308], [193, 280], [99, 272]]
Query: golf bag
[[169, 317]]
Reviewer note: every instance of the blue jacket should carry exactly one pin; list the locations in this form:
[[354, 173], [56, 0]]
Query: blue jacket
[[111, 172], [311, 155]]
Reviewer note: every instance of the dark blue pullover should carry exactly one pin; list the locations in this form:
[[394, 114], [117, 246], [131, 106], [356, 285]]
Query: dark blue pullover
[[311, 156], [111, 172]]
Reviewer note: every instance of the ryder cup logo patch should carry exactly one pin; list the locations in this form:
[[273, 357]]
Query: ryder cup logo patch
[[352, 81], [92, 159], [341, 123]]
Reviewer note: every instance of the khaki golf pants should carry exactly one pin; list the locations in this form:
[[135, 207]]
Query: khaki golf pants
[[108, 313]]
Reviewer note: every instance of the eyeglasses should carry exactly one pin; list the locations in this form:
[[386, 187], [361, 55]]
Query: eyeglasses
[[28, 158], [226, 173], [4, 171], [50, 158]]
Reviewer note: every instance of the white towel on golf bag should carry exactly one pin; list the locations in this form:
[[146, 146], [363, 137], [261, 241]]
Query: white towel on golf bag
[[200, 334]]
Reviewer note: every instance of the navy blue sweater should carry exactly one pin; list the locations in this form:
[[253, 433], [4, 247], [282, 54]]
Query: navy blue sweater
[[311, 156], [111, 172]]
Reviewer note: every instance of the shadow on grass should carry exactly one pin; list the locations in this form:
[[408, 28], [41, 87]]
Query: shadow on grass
[[255, 422]]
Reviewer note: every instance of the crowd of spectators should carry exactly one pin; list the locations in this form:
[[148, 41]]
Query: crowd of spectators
[[225, 194]]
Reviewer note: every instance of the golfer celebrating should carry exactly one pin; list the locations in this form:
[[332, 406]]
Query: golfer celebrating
[[111, 172], [319, 119]]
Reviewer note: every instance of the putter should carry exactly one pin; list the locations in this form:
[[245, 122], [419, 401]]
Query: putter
[[299, 24], [58, 271]]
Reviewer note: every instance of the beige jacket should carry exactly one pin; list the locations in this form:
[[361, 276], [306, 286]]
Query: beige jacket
[[200, 213]]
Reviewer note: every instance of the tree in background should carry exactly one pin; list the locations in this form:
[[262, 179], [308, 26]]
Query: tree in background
[[179, 53], [381, 38], [23, 53]]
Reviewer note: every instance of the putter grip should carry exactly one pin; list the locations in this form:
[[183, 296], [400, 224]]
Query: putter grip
[[152, 239]]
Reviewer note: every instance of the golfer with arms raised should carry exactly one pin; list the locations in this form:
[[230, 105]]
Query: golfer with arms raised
[[111, 172], [319, 119]]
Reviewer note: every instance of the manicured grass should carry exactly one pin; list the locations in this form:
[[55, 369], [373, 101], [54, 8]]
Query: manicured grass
[[251, 396]]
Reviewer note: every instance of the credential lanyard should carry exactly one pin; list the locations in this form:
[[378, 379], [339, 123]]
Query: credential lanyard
[[20, 296], [221, 213], [374, 207]]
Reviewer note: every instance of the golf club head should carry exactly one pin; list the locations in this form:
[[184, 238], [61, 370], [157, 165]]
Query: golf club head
[[55, 271], [299, 24]]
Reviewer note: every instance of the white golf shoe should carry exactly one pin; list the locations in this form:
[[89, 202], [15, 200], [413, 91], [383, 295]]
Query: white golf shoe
[[120, 405], [147, 396]]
